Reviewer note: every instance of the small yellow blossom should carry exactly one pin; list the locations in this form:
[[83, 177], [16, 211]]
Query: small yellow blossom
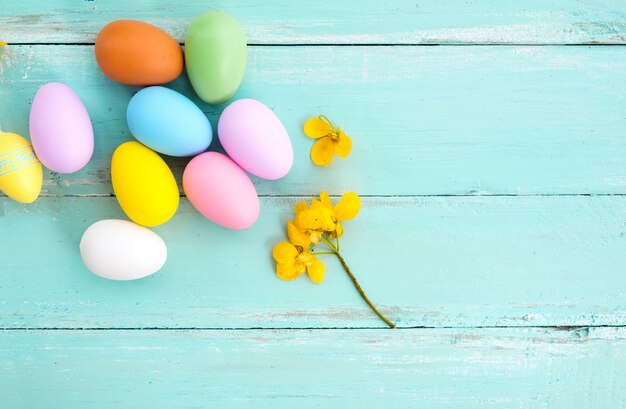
[[2, 43], [347, 209], [298, 237], [318, 224], [311, 222], [330, 140], [293, 261]]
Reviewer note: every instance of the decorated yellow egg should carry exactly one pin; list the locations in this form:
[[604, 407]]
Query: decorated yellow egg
[[20, 170], [144, 185]]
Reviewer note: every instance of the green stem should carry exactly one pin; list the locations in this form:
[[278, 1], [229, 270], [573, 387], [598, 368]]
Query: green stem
[[318, 253], [329, 244], [323, 118], [360, 290]]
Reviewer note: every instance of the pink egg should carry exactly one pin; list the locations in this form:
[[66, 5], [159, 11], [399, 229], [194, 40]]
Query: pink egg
[[60, 128], [254, 137], [221, 191]]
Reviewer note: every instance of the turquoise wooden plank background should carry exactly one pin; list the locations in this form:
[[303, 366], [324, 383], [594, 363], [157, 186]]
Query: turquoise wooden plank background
[[430, 368], [432, 124], [493, 227], [337, 22], [436, 261]]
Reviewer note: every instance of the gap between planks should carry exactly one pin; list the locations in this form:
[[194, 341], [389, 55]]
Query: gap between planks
[[388, 196], [589, 44], [564, 328]]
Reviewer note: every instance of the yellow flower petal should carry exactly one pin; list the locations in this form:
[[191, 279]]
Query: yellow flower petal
[[344, 144], [287, 272], [2, 43], [285, 253], [316, 128], [322, 152], [325, 199], [311, 220], [348, 207], [303, 221], [316, 271], [299, 207], [296, 237], [338, 230], [323, 216], [300, 267]]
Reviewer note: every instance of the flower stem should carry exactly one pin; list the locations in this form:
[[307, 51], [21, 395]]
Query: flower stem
[[323, 118], [360, 290], [329, 244]]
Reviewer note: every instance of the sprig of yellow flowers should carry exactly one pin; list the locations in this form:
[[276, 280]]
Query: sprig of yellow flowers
[[314, 224], [330, 140]]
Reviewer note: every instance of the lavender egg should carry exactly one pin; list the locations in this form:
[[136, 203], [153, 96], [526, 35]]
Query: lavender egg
[[256, 139], [60, 128]]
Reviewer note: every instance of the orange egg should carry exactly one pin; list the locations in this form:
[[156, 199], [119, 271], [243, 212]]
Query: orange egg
[[137, 53]]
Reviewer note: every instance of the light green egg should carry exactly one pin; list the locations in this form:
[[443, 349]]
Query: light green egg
[[215, 55]]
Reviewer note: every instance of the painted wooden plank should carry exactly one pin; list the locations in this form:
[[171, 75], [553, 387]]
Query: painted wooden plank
[[335, 22], [424, 120], [466, 368], [435, 261]]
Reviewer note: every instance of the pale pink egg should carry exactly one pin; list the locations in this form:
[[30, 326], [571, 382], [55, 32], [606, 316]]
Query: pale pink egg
[[221, 191]]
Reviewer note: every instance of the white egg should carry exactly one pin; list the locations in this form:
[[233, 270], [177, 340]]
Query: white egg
[[122, 250]]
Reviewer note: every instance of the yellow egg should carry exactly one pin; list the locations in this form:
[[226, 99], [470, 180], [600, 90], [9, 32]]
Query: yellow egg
[[144, 185], [20, 170]]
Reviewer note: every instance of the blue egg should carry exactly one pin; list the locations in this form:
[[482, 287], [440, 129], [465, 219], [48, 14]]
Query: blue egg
[[168, 122]]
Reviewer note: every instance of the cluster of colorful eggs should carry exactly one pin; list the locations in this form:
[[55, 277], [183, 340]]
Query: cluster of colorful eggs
[[162, 121]]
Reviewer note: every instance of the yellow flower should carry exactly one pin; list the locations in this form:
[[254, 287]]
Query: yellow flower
[[293, 261], [319, 222], [2, 43], [310, 224], [298, 237], [347, 209], [331, 140]]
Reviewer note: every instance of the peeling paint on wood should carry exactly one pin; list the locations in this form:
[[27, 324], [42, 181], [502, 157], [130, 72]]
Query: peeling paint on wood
[[427, 261], [333, 22], [467, 368], [424, 120], [519, 278]]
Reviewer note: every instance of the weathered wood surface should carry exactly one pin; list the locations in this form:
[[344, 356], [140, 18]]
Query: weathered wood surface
[[335, 22], [425, 120], [494, 213], [437, 261], [444, 368]]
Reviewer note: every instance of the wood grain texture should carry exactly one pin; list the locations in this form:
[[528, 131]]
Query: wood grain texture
[[334, 22], [470, 369], [494, 214], [450, 261], [425, 120]]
